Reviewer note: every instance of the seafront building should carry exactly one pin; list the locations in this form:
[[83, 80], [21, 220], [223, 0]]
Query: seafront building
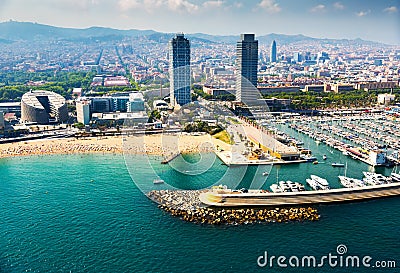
[[83, 112], [246, 68], [43, 107], [136, 102], [2, 125], [179, 70]]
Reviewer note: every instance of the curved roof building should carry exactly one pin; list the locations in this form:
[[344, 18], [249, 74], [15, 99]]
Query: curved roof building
[[43, 107]]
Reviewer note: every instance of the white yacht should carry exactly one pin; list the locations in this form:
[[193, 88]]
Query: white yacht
[[322, 182], [395, 177], [349, 182], [275, 188], [314, 185]]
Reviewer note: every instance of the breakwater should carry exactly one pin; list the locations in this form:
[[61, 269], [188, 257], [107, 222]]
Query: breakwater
[[187, 205]]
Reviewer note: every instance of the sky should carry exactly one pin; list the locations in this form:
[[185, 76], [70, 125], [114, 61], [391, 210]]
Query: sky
[[369, 20]]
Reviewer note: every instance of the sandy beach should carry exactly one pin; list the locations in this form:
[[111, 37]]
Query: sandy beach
[[157, 144]]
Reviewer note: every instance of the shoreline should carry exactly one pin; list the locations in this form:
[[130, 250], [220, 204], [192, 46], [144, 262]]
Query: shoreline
[[158, 145]]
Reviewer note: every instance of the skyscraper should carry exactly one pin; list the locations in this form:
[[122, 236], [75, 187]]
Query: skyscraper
[[179, 70], [246, 68], [273, 52]]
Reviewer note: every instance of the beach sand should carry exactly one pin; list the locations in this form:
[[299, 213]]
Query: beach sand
[[157, 144]]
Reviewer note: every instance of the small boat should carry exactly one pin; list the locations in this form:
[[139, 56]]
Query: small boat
[[324, 157], [335, 164], [308, 157], [158, 181], [265, 173], [315, 162]]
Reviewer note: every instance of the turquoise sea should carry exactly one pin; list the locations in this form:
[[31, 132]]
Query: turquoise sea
[[84, 213]]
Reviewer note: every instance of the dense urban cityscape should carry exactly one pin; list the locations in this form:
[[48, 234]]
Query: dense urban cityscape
[[103, 74]]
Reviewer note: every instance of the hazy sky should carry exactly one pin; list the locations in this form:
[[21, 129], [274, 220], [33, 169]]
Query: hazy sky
[[371, 20]]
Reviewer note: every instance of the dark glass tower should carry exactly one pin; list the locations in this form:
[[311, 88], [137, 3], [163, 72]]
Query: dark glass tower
[[179, 70], [273, 52], [246, 68]]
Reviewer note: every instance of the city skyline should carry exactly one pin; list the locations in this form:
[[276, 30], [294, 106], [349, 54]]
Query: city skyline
[[376, 21]]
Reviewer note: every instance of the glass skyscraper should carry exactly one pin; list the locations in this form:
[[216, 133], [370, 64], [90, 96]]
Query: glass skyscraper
[[179, 70], [273, 52], [246, 68]]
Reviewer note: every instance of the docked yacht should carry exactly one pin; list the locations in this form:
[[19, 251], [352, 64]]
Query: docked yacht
[[275, 188], [377, 178], [349, 182], [322, 182], [314, 185], [308, 158], [395, 177]]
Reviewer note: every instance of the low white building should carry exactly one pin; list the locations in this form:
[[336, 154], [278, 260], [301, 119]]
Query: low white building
[[385, 99]]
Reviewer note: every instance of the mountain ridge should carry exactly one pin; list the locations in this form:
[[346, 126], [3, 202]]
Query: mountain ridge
[[28, 31]]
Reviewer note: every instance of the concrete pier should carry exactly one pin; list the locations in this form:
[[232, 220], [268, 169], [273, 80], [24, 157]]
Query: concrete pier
[[170, 158], [257, 199]]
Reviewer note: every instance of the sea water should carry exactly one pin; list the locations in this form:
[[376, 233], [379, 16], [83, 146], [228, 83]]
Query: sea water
[[84, 213]]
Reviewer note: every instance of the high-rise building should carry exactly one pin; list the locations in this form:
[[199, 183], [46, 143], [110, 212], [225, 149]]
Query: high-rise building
[[1, 120], [272, 57], [83, 112], [246, 68], [179, 70]]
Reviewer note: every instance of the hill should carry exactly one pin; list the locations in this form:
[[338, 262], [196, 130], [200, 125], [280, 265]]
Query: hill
[[27, 31]]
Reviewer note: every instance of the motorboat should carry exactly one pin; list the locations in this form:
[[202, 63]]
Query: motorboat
[[308, 157], [158, 181], [322, 182], [275, 188], [312, 184], [349, 182], [335, 164]]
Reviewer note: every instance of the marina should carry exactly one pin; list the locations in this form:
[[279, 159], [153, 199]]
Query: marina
[[370, 138]]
